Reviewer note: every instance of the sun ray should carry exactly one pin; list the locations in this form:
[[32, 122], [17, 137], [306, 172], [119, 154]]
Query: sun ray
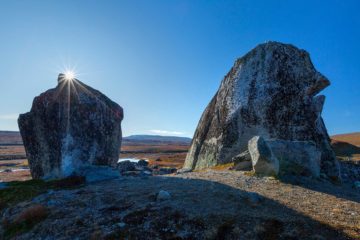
[[58, 92], [91, 94], [73, 87]]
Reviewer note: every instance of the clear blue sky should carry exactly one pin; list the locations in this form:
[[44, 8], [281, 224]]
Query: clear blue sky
[[162, 61]]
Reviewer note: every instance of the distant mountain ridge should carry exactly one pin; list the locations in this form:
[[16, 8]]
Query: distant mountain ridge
[[14, 137], [158, 138]]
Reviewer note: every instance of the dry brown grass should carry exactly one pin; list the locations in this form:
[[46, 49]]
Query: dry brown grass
[[25, 220], [353, 138], [17, 163], [12, 150], [15, 176], [223, 167], [163, 155], [173, 160], [32, 214]]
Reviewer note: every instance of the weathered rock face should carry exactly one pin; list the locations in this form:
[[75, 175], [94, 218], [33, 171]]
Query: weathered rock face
[[70, 126], [269, 92]]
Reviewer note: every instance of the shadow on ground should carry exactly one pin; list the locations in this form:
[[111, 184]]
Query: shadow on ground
[[128, 208], [345, 189]]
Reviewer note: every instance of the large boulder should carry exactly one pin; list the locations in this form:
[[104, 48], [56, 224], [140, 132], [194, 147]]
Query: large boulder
[[271, 92], [68, 127]]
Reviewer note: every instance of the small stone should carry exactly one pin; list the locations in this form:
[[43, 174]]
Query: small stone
[[254, 198], [143, 163], [164, 171], [163, 195], [242, 157]]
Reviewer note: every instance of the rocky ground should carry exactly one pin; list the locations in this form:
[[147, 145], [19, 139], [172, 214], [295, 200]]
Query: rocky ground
[[197, 205]]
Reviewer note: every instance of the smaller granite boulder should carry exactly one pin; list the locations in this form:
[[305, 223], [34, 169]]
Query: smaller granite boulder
[[263, 160], [143, 163], [296, 157], [139, 169], [126, 166], [242, 157], [242, 161]]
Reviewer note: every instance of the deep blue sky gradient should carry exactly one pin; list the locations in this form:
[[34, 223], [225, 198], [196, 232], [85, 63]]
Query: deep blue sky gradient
[[162, 61]]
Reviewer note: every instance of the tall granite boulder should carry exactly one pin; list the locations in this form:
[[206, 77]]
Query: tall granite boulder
[[69, 127], [271, 92]]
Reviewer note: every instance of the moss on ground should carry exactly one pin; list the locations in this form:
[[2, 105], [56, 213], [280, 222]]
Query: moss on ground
[[20, 191], [221, 167], [252, 173]]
